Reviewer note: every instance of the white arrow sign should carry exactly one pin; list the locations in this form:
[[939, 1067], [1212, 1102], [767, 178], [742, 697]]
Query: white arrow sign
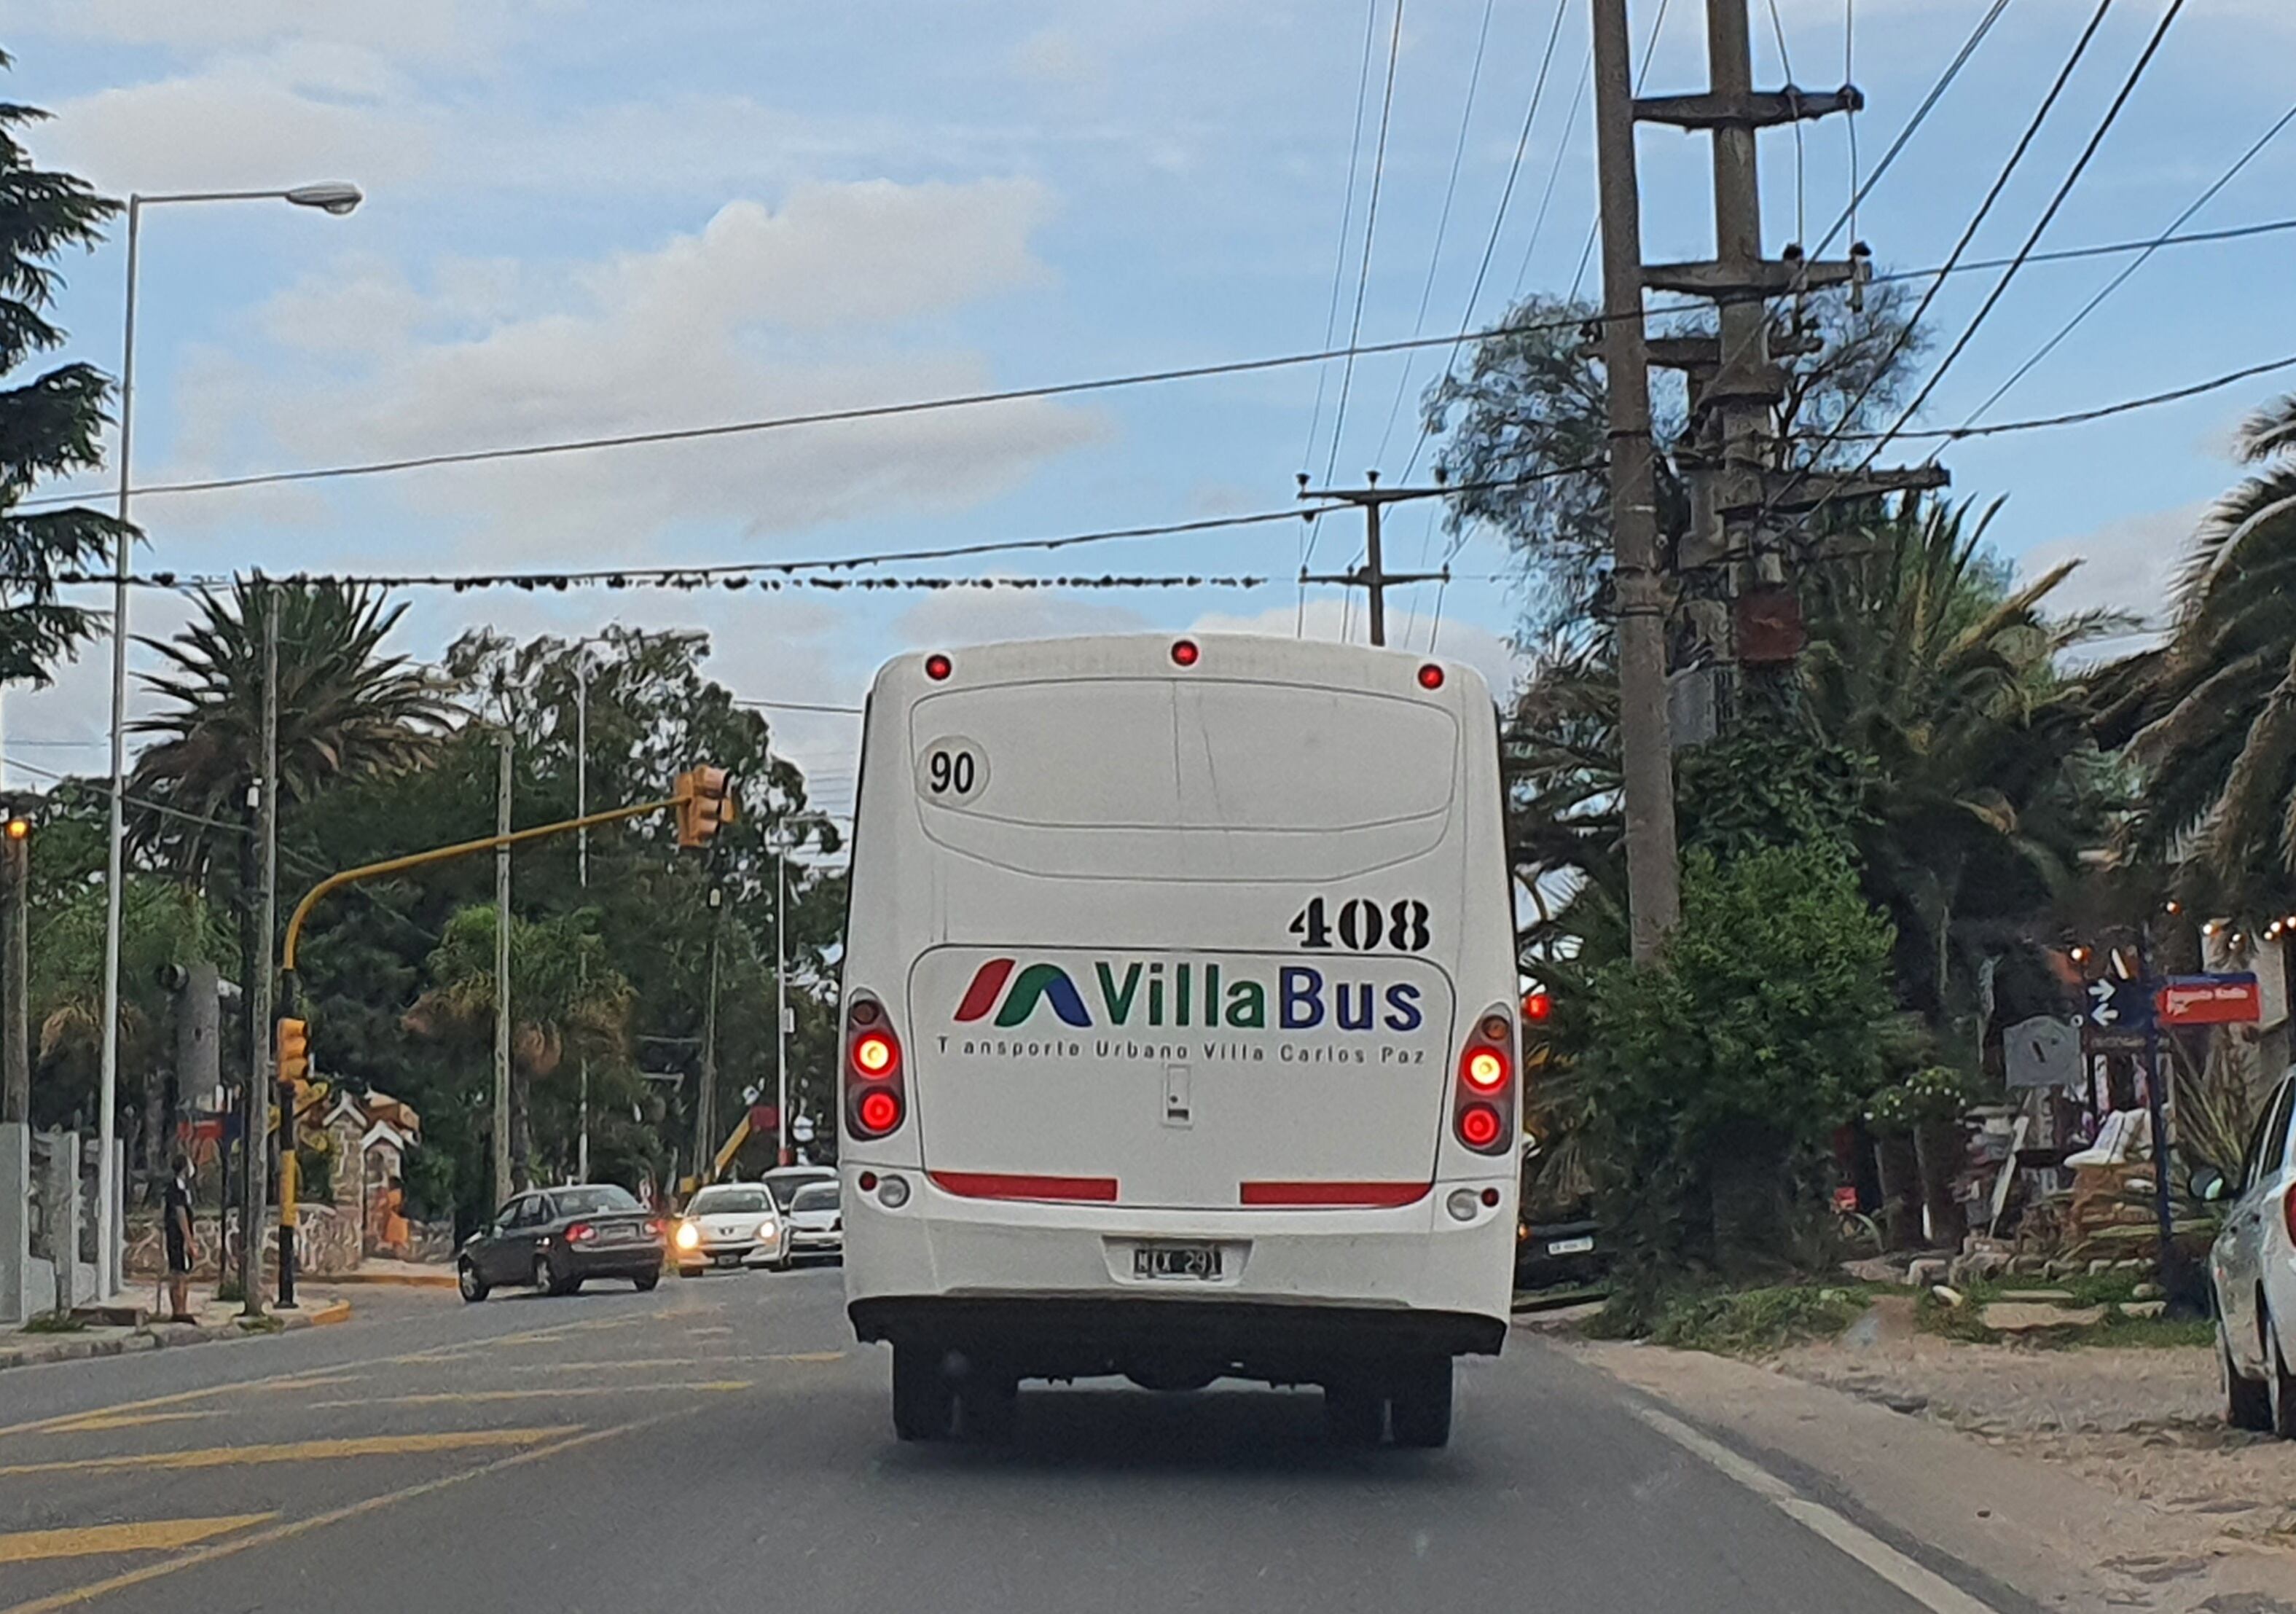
[[2101, 1011]]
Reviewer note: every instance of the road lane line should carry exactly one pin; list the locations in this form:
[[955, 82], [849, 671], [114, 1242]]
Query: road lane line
[[106, 1421], [333, 1373], [88, 1541], [455, 1398], [298, 1451], [641, 1363], [76, 1596], [1924, 1585]]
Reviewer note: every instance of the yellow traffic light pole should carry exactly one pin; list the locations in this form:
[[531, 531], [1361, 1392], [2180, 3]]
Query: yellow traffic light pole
[[704, 801]]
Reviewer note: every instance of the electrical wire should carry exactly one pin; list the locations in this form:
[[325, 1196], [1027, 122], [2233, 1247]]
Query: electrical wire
[[1801, 187], [1593, 231], [1849, 116], [1858, 192], [2081, 417], [1554, 171], [369, 467], [1442, 224], [1913, 324], [2117, 281], [1347, 227], [2049, 213], [802, 706], [1371, 231]]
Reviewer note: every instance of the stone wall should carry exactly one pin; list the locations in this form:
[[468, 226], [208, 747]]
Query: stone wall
[[327, 1242]]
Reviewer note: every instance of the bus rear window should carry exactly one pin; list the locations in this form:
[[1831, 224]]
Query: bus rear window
[[1150, 754]]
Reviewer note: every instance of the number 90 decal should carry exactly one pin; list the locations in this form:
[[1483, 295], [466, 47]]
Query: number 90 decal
[[952, 771]]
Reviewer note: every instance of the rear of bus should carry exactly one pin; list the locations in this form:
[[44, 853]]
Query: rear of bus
[[1180, 1039]]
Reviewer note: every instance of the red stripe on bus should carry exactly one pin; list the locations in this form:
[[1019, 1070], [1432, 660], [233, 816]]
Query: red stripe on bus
[[1334, 1193], [1006, 1185]]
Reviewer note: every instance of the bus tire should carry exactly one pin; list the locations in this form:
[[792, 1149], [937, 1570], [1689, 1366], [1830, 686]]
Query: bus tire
[[1423, 1402], [990, 1404], [924, 1401], [1354, 1411]]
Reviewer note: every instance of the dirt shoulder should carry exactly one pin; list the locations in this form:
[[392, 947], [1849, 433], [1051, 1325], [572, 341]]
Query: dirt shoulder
[[2077, 1477]]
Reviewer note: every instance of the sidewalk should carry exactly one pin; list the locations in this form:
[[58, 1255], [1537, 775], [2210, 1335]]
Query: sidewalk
[[217, 1319], [405, 1275], [2070, 1477]]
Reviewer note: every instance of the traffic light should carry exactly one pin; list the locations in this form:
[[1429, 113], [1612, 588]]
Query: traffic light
[[705, 804], [294, 1045]]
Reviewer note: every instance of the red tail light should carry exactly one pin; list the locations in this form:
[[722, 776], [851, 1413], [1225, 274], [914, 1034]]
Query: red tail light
[[581, 1233], [1485, 1097], [2288, 1212], [654, 1227], [876, 1096]]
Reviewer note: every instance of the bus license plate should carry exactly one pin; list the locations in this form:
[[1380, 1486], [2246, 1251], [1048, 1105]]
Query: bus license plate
[[1187, 1262]]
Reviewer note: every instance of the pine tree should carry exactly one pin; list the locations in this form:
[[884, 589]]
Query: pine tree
[[51, 425]]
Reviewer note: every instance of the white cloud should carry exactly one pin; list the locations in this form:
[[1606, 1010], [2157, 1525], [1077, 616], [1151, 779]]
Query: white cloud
[[2129, 564], [988, 616], [762, 313], [444, 32]]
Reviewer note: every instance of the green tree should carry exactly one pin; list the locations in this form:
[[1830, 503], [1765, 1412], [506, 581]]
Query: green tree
[[566, 999], [2211, 713], [1714, 1075], [50, 425], [1524, 431], [346, 709]]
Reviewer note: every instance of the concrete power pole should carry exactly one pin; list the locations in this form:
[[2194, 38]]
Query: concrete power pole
[[503, 1184], [1373, 576], [16, 1059], [256, 1145], [1653, 870]]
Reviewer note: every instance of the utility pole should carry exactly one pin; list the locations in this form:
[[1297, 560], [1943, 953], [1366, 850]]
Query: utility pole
[[1653, 870], [705, 1103], [783, 1154], [503, 1184], [1373, 575], [16, 1025], [1742, 605], [256, 1142], [582, 875]]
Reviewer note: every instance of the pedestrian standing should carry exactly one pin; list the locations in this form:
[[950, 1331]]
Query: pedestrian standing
[[181, 1249]]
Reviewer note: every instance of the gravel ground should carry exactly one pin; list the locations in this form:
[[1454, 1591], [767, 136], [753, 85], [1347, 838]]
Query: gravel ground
[[2143, 1422]]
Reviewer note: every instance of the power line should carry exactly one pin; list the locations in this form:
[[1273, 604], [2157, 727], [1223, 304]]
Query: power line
[[1443, 224], [2081, 417], [1069, 389], [1371, 231], [1802, 188], [1554, 171], [1858, 192], [2049, 213], [803, 706], [1347, 219], [1906, 332], [2121, 279]]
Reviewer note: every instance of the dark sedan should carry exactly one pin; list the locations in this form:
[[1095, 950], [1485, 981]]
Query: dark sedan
[[554, 1239]]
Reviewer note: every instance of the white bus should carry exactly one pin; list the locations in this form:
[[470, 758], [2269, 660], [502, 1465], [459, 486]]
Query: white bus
[[1180, 1037]]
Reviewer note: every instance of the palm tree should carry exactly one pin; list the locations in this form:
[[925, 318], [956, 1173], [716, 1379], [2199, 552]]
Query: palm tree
[[565, 996], [346, 710], [2212, 714]]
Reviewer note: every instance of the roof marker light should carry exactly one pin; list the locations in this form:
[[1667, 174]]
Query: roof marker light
[[1430, 676], [1184, 652], [938, 667]]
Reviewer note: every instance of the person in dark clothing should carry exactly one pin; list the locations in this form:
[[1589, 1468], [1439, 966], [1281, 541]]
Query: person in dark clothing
[[181, 1251]]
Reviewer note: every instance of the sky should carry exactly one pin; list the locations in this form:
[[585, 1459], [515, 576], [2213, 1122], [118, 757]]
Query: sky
[[585, 218]]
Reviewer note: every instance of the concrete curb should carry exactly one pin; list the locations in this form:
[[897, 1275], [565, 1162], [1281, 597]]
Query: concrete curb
[[164, 1336], [444, 1279]]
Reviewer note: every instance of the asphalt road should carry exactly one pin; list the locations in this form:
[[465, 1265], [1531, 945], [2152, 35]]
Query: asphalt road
[[724, 1444]]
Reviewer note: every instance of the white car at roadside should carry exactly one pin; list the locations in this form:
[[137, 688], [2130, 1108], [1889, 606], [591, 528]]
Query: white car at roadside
[[816, 1221], [2253, 1273], [730, 1224]]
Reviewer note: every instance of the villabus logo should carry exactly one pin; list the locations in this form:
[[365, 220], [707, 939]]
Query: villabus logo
[[1190, 994]]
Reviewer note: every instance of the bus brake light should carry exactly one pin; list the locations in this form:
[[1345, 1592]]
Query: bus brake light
[[1479, 1125], [879, 1112]]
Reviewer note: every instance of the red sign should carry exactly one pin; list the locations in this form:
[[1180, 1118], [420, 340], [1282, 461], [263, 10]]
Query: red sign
[[2211, 1000], [765, 1119]]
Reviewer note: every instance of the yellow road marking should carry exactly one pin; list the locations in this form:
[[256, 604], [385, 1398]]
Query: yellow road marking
[[88, 1541], [104, 1421], [299, 1451], [447, 1397], [74, 1596], [643, 1363], [332, 1374]]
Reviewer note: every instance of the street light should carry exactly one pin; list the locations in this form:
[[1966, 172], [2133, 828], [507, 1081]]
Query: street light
[[335, 197]]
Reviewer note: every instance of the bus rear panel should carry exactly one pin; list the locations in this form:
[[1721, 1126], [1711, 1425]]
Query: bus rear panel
[[1180, 1022]]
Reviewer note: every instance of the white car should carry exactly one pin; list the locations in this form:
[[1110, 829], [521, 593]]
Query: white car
[[730, 1224], [816, 1221], [2253, 1273]]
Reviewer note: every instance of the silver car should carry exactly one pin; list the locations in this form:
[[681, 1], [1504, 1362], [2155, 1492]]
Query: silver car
[[816, 1221], [730, 1224], [2252, 1274]]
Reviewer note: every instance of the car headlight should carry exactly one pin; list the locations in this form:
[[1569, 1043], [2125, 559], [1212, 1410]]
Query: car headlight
[[766, 1228], [688, 1235]]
